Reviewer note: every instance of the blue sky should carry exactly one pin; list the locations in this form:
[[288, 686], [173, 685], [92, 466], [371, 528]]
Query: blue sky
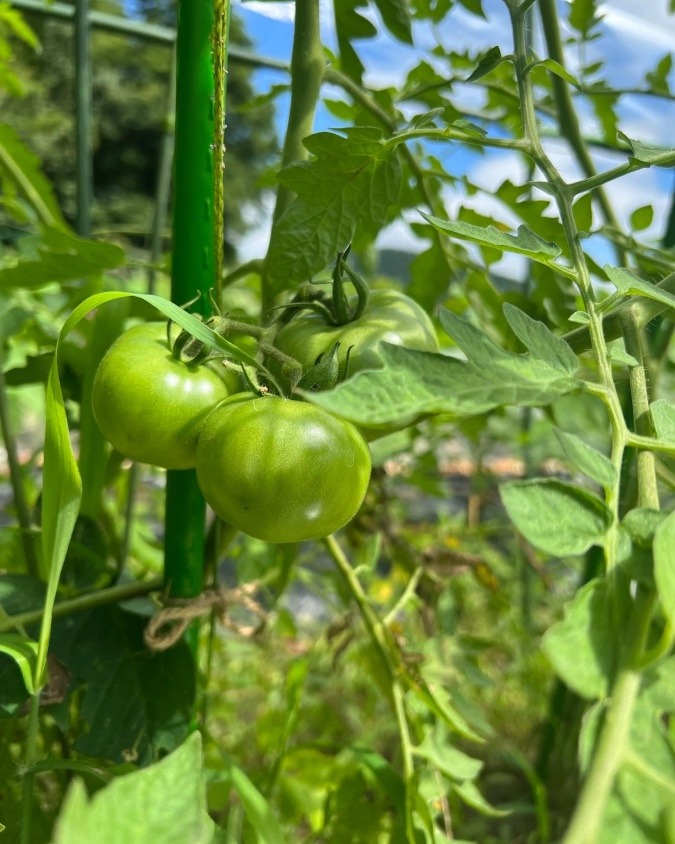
[[633, 37]]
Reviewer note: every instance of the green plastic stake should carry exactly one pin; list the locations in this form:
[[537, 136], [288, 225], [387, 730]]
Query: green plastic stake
[[193, 259]]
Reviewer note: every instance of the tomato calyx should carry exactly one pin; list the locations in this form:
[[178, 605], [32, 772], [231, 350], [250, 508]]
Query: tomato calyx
[[189, 349], [325, 373], [336, 309]]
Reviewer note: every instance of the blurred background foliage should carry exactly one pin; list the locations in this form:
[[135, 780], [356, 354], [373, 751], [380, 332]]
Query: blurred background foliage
[[130, 99]]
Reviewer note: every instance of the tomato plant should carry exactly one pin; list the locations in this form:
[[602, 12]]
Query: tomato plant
[[281, 470], [149, 404], [389, 317]]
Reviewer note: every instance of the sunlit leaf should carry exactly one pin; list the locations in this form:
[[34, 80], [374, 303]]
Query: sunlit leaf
[[664, 567], [584, 16], [526, 242], [350, 181], [162, 803], [582, 646], [642, 218], [24, 653], [628, 284], [558, 518], [558, 70], [586, 459], [414, 383], [650, 154], [663, 417], [490, 60]]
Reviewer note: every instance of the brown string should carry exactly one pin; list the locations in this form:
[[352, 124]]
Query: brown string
[[167, 626]]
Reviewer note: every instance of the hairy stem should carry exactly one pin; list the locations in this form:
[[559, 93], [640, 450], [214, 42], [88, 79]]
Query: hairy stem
[[648, 494], [307, 72], [613, 741], [380, 640], [567, 116], [27, 809]]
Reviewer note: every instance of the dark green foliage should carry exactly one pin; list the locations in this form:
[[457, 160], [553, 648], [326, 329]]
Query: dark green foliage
[[130, 99]]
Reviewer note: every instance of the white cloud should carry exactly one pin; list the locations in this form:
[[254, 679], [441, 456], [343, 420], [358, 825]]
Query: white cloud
[[282, 11], [633, 38]]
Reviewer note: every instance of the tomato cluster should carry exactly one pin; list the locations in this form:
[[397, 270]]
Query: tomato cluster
[[276, 468]]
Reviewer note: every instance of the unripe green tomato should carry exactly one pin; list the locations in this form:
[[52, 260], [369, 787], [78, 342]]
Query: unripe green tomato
[[150, 405], [389, 317], [281, 470]]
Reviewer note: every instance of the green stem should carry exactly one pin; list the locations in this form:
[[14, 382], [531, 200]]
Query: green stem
[[614, 737], [593, 182], [339, 299], [83, 112], [113, 595], [568, 121], [406, 758], [646, 771], [451, 133], [29, 777], [648, 493], [220, 62], [193, 266], [407, 595], [380, 640], [16, 474], [370, 618], [607, 758], [307, 73]]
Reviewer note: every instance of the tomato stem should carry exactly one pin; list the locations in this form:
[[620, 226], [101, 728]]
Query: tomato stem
[[340, 306]]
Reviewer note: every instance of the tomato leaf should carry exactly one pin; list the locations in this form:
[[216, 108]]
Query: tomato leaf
[[350, 181], [582, 646], [489, 62], [414, 383], [663, 417], [258, 811], [24, 653], [165, 802], [133, 702], [62, 257], [525, 242], [557, 70], [558, 518], [642, 218], [641, 524], [628, 284], [543, 345], [453, 763], [648, 154], [468, 793], [583, 16], [396, 17], [586, 459], [20, 167]]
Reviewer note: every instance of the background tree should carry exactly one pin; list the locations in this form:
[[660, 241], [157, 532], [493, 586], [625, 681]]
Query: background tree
[[130, 96]]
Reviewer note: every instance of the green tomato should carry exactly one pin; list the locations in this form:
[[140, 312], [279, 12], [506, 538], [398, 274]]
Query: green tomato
[[150, 405], [389, 317], [281, 470]]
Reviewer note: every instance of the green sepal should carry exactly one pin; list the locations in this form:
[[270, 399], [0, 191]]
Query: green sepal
[[324, 374]]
